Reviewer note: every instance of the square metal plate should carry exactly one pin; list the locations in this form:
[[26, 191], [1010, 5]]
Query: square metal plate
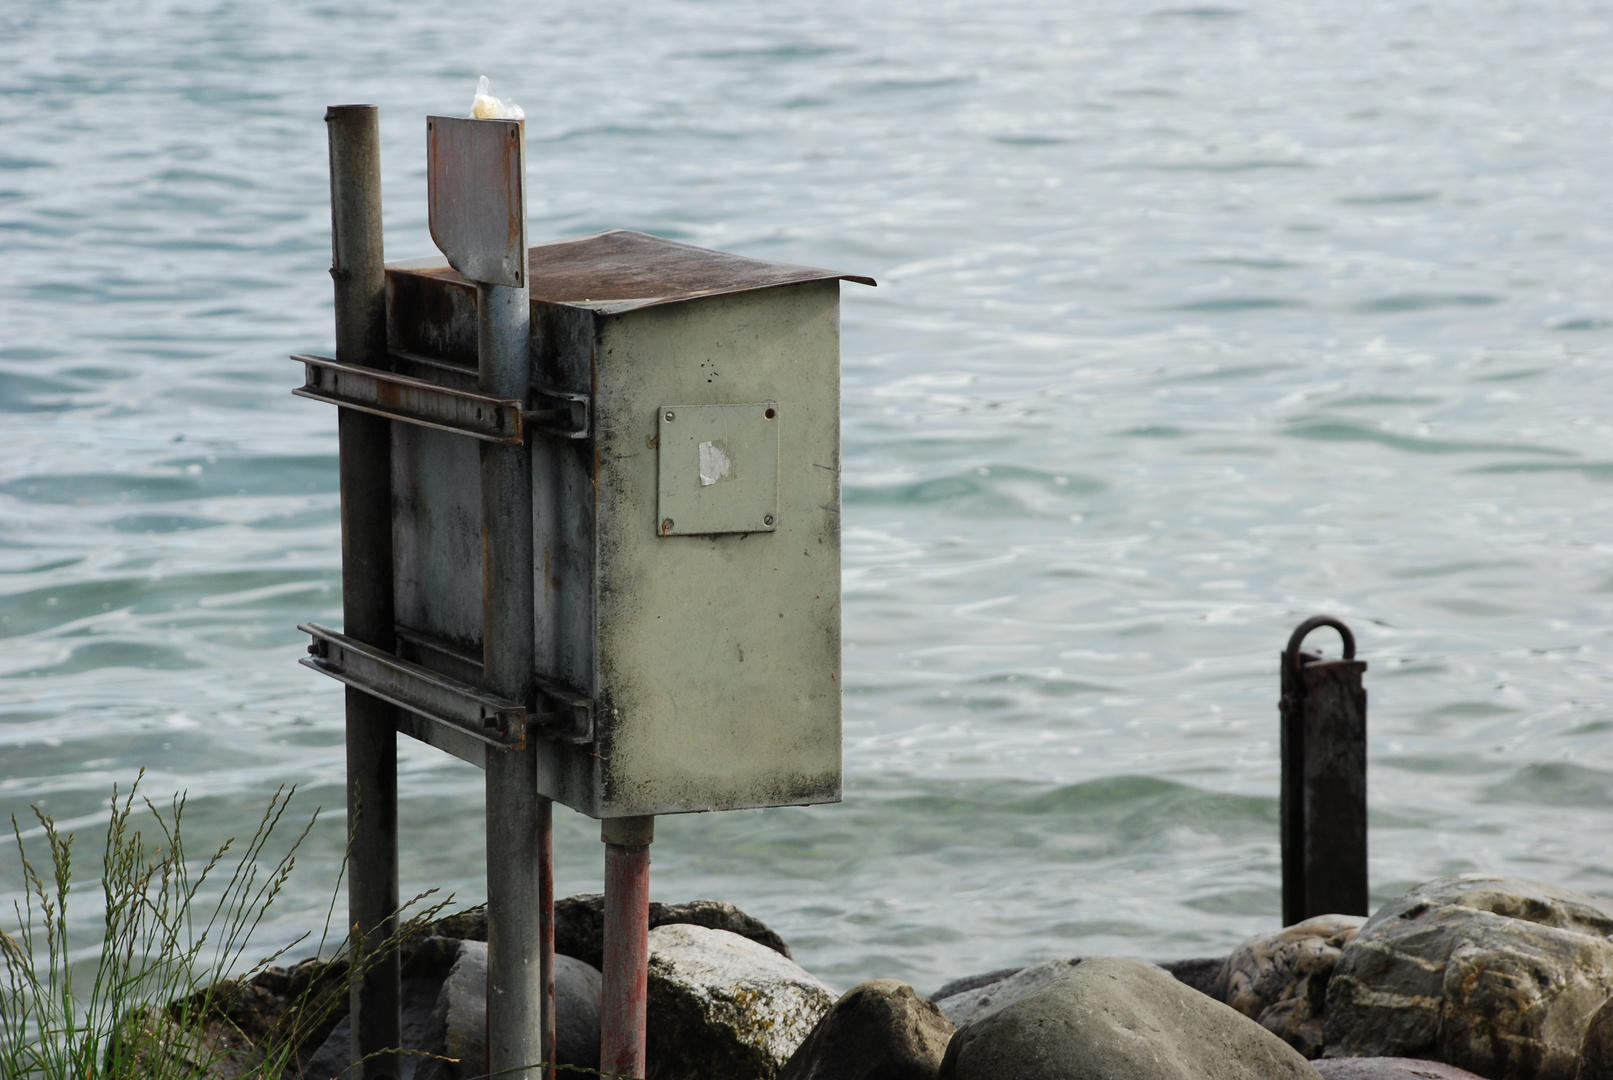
[[718, 469]]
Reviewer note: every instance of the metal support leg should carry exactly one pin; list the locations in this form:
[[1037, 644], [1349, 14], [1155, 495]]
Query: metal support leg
[[515, 817], [624, 997], [546, 928], [366, 486]]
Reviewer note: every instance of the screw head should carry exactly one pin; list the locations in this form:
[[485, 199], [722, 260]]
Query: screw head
[[669, 416], [666, 525], [768, 520]]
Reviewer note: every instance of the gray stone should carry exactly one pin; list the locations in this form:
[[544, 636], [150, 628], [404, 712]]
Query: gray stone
[[1279, 979], [1596, 1049], [1202, 973], [879, 1030], [579, 924], [1113, 1019], [723, 1007], [971, 1005], [422, 1032], [1496, 975], [974, 982], [1389, 1068], [461, 1015]]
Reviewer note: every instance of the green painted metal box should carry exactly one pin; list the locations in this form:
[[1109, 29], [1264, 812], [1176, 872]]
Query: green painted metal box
[[687, 537]]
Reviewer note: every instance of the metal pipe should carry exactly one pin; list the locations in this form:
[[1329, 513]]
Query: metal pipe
[[546, 929], [514, 814], [624, 996], [359, 273], [1323, 800]]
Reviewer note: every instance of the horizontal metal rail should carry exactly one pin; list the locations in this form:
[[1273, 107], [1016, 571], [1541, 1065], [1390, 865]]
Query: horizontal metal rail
[[414, 401], [495, 721]]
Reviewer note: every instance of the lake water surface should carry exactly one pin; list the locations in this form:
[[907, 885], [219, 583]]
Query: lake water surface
[[1192, 322]]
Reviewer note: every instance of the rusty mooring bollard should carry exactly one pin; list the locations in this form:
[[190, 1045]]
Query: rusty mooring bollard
[[1324, 786]]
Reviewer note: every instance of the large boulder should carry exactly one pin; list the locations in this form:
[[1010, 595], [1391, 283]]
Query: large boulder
[[879, 1030], [1496, 975], [579, 924], [460, 1014], [1596, 1049], [722, 1007], [1388, 1068], [1279, 979], [1112, 1019], [967, 1006]]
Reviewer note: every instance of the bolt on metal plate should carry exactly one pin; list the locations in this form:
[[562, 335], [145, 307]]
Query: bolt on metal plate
[[718, 468]]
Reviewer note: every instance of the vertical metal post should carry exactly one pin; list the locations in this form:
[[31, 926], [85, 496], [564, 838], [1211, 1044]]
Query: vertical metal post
[[515, 821], [546, 1004], [624, 996], [366, 485], [1324, 780]]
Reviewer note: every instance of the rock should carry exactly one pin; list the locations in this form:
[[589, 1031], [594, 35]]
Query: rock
[[579, 924], [1279, 979], [1112, 1019], [1388, 1068], [879, 1030], [1496, 975], [974, 982], [1201, 973], [460, 1013], [723, 1007], [972, 1005], [422, 1031], [160, 1046], [1596, 1049]]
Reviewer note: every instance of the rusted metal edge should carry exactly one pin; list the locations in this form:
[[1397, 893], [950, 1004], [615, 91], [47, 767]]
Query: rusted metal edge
[[621, 270], [507, 421], [414, 401], [493, 721]]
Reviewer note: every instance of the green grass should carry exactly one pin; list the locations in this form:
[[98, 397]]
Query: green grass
[[154, 999]]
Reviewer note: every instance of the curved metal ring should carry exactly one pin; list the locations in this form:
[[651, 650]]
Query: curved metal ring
[[1291, 654]]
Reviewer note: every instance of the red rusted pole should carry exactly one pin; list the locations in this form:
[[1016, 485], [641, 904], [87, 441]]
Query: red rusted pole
[[546, 930], [624, 998]]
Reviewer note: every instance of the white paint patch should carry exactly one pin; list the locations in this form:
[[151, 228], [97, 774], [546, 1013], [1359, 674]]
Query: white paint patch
[[714, 464]]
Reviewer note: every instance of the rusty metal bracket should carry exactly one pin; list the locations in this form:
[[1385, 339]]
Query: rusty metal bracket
[[414, 401], [562, 413], [499, 723], [563, 714]]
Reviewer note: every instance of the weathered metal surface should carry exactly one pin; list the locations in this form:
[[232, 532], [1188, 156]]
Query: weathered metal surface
[[713, 661], [624, 990], [610, 272], [476, 196], [411, 400], [357, 271], [497, 721], [545, 852], [1324, 779], [717, 469]]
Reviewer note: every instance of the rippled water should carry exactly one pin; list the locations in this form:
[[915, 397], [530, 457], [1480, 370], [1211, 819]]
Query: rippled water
[[1191, 322]]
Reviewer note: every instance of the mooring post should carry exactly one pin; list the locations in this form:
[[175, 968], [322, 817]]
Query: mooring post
[[366, 493], [624, 995], [1324, 779]]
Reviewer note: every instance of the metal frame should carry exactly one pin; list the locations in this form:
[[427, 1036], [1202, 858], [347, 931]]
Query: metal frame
[[487, 725]]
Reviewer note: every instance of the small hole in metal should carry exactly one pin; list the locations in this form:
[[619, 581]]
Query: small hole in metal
[[770, 414]]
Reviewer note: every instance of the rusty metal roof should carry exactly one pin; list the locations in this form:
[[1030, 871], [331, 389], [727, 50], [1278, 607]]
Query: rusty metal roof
[[622, 270]]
